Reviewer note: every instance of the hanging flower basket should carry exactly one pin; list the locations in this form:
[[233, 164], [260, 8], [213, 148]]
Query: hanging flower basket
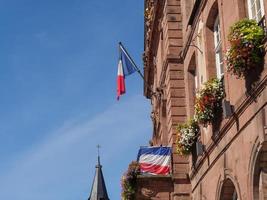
[[186, 137], [128, 181], [208, 101], [246, 51]]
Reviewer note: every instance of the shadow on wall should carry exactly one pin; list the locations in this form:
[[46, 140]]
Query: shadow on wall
[[253, 76]]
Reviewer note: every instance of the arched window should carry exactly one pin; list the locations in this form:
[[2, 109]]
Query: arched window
[[228, 191], [213, 48], [260, 175], [192, 85], [255, 9]]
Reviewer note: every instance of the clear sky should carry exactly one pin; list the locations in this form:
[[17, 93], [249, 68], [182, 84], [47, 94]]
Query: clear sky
[[58, 66]]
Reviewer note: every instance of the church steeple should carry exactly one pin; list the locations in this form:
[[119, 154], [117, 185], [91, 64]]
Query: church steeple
[[99, 190]]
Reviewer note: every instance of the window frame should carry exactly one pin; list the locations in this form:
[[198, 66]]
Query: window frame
[[218, 48], [261, 9]]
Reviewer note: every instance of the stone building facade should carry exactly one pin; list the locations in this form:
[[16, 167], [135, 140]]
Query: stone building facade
[[185, 46]]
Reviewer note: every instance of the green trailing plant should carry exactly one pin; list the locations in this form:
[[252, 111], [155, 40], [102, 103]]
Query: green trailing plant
[[208, 101], [246, 50], [128, 181], [186, 137]]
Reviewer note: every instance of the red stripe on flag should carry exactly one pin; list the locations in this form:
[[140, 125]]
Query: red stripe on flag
[[155, 169], [120, 86]]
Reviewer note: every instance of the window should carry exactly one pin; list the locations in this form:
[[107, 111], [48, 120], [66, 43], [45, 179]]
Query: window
[[202, 74], [196, 81], [255, 9], [192, 85], [228, 191], [235, 196], [218, 48], [193, 79]]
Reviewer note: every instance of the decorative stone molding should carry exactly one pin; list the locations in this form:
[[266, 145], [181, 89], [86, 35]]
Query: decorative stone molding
[[145, 59], [154, 186], [147, 192], [227, 177], [149, 14], [154, 116], [149, 11]]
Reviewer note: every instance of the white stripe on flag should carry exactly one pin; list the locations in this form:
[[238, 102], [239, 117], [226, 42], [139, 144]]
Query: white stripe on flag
[[120, 71], [155, 159]]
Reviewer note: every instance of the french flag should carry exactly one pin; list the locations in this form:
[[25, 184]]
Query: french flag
[[126, 67], [155, 160], [120, 81]]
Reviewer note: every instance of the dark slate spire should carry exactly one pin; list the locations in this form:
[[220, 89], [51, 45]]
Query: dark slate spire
[[99, 190]]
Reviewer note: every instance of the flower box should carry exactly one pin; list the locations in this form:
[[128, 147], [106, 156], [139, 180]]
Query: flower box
[[186, 137], [128, 181], [246, 50], [208, 101]]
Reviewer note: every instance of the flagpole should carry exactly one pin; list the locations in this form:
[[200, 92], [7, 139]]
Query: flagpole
[[137, 68], [130, 58]]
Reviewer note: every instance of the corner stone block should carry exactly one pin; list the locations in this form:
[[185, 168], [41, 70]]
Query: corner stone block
[[173, 25], [175, 34], [172, 50], [179, 159], [173, 17], [175, 42], [173, 9], [181, 168], [175, 75], [176, 101], [177, 84], [173, 66], [182, 197], [179, 111], [174, 2], [182, 188]]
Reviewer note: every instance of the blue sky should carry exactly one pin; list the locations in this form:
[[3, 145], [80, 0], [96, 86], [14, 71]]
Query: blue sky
[[58, 66]]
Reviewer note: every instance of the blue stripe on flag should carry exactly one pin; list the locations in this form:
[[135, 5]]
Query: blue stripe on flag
[[164, 151], [127, 63]]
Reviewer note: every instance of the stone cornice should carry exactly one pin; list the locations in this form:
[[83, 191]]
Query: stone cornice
[[152, 33], [155, 177]]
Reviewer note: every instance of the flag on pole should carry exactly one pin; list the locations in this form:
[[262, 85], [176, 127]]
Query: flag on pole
[[126, 67], [155, 160], [120, 80]]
